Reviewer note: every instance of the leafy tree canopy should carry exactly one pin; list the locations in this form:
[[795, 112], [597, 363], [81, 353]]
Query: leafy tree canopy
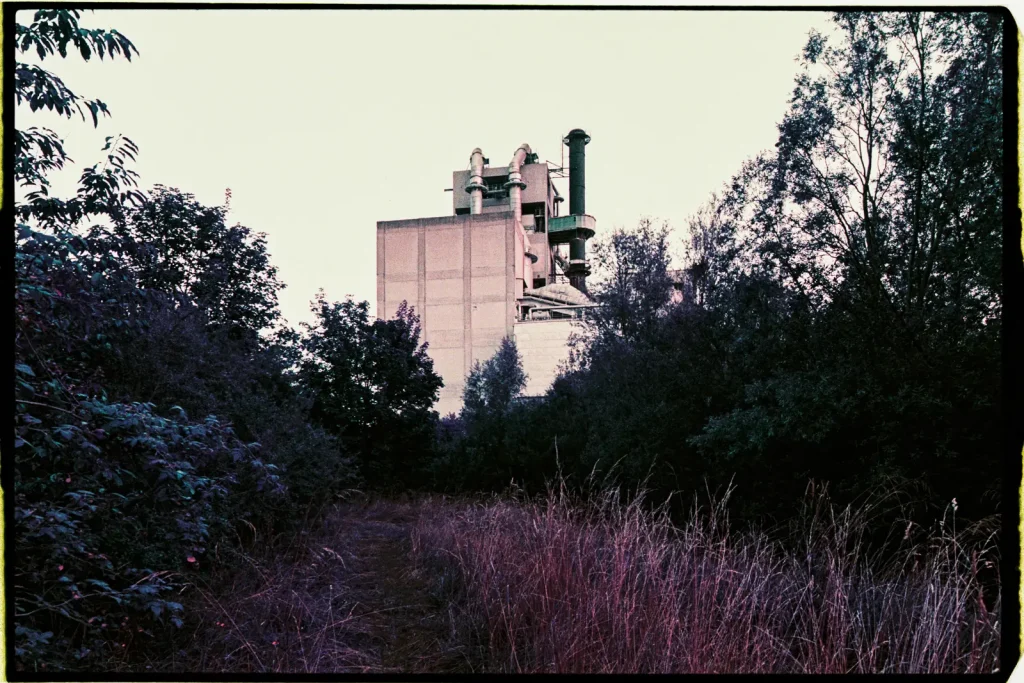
[[371, 383]]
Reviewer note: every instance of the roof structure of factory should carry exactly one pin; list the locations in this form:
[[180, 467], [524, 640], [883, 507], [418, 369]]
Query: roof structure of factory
[[559, 293]]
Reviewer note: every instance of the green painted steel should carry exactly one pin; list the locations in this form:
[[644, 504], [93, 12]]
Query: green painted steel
[[562, 229], [578, 249], [562, 223], [577, 140]]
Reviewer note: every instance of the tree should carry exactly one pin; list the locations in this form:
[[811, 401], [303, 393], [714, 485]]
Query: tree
[[38, 151], [474, 449], [492, 386], [73, 298], [181, 247], [874, 228], [634, 285], [373, 385], [843, 312], [117, 491], [888, 170], [93, 476]]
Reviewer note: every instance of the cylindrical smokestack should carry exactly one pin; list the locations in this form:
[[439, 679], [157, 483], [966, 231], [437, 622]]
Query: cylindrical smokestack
[[577, 249], [475, 187], [577, 139], [578, 270], [515, 182]]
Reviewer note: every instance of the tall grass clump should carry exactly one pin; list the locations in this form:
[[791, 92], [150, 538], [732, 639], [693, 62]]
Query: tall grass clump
[[559, 585], [287, 603]]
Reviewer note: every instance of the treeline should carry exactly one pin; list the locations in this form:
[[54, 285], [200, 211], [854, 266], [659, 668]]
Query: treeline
[[842, 313], [841, 322], [162, 410]]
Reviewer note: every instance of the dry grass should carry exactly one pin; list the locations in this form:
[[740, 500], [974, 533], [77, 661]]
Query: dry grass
[[560, 586], [447, 585], [342, 599]]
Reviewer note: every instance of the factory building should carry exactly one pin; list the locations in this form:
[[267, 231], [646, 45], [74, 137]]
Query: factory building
[[506, 262]]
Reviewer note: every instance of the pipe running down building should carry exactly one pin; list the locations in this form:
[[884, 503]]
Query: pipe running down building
[[505, 263], [476, 186]]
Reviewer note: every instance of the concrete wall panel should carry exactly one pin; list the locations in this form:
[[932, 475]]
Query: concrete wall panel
[[397, 291], [488, 315], [449, 400], [445, 316], [380, 271], [485, 352], [444, 250], [458, 271], [400, 252], [491, 288], [447, 291], [448, 364], [543, 346], [536, 178], [489, 244], [445, 339]]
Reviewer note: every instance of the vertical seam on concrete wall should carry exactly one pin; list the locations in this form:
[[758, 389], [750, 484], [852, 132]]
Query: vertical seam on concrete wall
[[421, 276], [467, 295], [382, 255], [510, 278]]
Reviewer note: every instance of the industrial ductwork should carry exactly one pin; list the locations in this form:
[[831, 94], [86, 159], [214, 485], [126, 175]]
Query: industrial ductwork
[[558, 199], [515, 187], [515, 182], [475, 187]]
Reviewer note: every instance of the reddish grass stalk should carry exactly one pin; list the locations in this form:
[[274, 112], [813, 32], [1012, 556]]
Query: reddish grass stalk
[[562, 586]]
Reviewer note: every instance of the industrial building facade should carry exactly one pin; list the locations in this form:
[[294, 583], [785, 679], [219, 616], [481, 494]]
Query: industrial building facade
[[505, 263]]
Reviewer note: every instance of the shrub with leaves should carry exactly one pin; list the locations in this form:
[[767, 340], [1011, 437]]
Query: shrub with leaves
[[112, 503], [113, 499]]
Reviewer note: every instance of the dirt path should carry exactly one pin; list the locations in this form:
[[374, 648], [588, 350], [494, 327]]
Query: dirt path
[[343, 599], [411, 630]]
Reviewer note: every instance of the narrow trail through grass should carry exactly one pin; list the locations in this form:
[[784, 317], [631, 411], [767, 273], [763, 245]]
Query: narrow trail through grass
[[386, 586], [412, 629], [345, 598]]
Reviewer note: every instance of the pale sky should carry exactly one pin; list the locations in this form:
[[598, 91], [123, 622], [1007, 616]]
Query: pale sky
[[324, 122]]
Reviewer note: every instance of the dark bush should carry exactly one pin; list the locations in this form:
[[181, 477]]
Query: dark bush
[[112, 504]]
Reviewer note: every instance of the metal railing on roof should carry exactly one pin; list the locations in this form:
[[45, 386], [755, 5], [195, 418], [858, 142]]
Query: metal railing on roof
[[576, 312]]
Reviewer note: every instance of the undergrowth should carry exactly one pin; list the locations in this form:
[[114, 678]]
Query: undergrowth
[[566, 586]]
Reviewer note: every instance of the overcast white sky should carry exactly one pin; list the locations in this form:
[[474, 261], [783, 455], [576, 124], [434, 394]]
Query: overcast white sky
[[324, 122]]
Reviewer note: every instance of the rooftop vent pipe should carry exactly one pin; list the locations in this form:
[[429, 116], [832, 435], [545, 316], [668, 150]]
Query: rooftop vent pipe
[[475, 187], [578, 268], [515, 182], [577, 139], [515, 187]]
